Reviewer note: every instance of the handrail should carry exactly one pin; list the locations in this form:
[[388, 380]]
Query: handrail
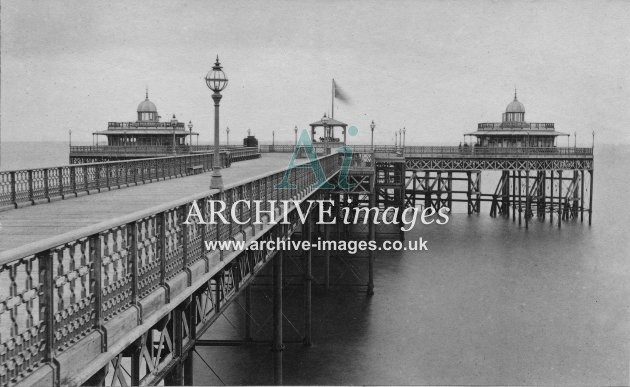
[[485, 151], [447, 150], [56, 291], [77, 150], [29, 186], [548, 126]]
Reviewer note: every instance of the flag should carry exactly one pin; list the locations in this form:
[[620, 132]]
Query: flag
[[339, 94]]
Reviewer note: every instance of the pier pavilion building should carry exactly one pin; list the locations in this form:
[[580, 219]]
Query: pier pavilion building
[[514, 131], [147, 130]]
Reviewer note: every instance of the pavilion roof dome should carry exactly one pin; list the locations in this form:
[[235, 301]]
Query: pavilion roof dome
[[515, 106], [147, 106]]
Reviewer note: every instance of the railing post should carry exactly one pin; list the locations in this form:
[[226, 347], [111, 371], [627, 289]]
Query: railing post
[[46, 308], [107, 172], [161, 253], [97, 176], [46, 193], [132, 246], [30, 186], [73, 179], [97, 275], [185, 250], [60, 181], [13, 190], [85, 179]]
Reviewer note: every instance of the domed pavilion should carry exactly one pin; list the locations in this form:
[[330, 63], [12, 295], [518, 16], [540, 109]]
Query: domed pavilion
[[147, 131], [514, 131]]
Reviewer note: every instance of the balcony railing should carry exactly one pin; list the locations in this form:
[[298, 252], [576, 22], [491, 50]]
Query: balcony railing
[[513, 124], [141, 124], [60, 291]]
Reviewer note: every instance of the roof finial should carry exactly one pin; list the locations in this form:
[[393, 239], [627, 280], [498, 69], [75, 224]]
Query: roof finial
[[515, 92], [146, 89]]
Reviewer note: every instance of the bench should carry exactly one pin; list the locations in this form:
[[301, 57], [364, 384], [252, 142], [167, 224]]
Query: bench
[[195, 169]]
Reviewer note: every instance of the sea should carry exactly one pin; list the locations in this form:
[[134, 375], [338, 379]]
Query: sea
[[489, 303]]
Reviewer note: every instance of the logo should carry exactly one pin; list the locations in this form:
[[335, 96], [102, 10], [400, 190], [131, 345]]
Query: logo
[[305, 144]]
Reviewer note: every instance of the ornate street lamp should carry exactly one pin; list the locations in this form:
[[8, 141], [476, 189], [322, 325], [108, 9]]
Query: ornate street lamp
[[404, 137], [216, 81], [227, 131], [190, 126], [173, 127], [372, 126]]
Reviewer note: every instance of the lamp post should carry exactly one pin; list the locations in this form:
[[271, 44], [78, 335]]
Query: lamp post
[[273, 140], [190, 126], [396, 140], [372, 126], [69, 138], [326, 135], [404, 136], [216, 81], [173, 126], [295, 130], [227, 131]]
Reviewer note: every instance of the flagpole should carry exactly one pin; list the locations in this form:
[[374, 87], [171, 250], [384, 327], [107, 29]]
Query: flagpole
[[332, 113]]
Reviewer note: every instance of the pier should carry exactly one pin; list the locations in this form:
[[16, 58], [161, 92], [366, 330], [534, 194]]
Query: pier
[[116, 289]]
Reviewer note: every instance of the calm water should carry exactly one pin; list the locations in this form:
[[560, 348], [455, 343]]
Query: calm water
[[489, 303]]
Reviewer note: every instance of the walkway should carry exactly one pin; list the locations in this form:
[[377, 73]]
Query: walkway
[[34, 223]]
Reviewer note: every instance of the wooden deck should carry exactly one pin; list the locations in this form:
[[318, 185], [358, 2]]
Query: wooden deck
[[33, 223]]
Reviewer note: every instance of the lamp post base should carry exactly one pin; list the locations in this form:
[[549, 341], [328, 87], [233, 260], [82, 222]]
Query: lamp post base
[[216, 182]]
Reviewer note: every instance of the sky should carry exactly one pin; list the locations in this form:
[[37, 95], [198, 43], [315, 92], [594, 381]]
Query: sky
[[436, 68]]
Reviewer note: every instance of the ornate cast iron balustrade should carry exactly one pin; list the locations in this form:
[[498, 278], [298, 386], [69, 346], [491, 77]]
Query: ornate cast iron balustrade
[[84, 150], [452, 151], [59, 292], [467, 151], [30, 186]]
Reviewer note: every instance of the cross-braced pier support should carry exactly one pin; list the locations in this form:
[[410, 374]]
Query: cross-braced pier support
[[561, 194], [539, 193]]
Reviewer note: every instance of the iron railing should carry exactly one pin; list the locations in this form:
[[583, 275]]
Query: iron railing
[[120, 150], [266, 148], [484, 151], [437, 151], [549, 126], [28, 186], [55, 292]]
